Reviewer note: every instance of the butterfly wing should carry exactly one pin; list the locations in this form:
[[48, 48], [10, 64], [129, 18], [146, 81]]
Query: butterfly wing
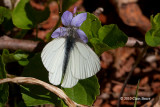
[[85, 62], [52, 58], [69, 81]]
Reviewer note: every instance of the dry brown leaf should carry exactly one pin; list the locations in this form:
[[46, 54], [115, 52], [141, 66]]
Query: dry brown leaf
[[144, 81], [106, 60], [106, 105], [156, 77], [98, 102], [156, 87], [131, 15], [121, 55]]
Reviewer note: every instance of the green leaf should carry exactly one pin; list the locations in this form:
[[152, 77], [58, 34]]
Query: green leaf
[[21, 17], [66, 4], [21, 34], [26, 17], [33, 94], [99, 46], [152, 37], [6, 18], [1, 19], [91, 26], [155, 21], [85, 91], [19, 56], [4, 93], [2, 15], [112, 36], [4, 89], [109, 37], [23, 62]]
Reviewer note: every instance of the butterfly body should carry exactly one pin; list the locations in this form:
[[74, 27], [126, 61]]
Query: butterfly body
[[69, 45]]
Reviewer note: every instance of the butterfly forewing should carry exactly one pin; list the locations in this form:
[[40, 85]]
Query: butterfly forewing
[[52, 58]]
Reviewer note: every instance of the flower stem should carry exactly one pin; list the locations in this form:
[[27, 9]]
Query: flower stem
[[36, 31], [60, 6], [59, 20]]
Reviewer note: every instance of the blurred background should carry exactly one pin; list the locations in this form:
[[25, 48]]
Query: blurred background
[[133, 18]]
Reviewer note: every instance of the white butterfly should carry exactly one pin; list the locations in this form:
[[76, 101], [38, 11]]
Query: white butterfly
[[68, 55]]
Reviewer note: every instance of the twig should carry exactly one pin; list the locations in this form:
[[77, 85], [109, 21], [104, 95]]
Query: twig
[[55, 90], [15, 44], [36, 32], [156, 100], [149, 103], [152, 102], [130, 73], [129, 86], [98, 11], [30, 46], [132, 42]]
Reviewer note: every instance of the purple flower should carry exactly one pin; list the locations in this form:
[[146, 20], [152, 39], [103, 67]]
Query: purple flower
[[72, 24]]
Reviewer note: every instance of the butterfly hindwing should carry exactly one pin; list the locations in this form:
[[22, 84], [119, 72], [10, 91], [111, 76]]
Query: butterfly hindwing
[[69, 81]]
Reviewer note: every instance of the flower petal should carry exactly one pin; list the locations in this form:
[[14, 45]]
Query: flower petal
[[62, 31], [74, 10], [79, 19], [67, 18], [82, 35]]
